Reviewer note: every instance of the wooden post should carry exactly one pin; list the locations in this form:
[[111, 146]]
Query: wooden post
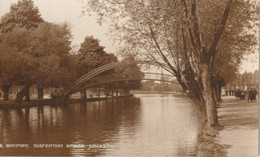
[[98, 92], [83, 94]]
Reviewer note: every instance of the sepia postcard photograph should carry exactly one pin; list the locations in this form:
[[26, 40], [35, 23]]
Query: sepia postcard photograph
[[126, 78]]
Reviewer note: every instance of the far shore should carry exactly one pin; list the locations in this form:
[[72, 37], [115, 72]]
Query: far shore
[[11, 104]]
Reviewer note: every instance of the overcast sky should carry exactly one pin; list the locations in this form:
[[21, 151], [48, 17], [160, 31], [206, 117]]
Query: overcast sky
[[70, 11]]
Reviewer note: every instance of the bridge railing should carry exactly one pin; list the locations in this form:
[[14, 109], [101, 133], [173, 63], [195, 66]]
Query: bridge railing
[[159, 76], [101, 69], [93, 73], [84, 80], [102, 80]]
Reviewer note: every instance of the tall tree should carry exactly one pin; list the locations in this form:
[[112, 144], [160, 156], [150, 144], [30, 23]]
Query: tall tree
[[91, 55], [41, 58], [129, 69], [183, 37], [51, 50], [18, 66], [21, 15]]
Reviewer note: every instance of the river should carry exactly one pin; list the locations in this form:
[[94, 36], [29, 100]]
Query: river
[[145, 125]]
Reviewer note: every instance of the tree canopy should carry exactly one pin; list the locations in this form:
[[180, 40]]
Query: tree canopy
[[92, 55], [34, 52], [188, 38], [129, 69], [41, 58], [21, 14]]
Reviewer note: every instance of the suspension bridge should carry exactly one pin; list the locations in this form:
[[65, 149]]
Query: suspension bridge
[[92, 78]]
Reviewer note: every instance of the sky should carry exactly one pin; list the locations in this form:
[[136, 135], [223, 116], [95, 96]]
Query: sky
[[70, 11]]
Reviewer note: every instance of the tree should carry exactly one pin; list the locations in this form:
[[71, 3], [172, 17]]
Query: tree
[[129, 69], [148, 85], [233, 45], [183, 37], [125, 77], [51, 50], [90, 56], [247, 79], [18, 66], [22, 15], [41, 58]]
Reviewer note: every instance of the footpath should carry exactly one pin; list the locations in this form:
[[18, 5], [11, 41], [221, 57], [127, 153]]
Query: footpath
[[240, 121]]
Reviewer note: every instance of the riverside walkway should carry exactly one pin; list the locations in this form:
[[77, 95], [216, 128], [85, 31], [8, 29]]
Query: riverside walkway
[[240, 121]]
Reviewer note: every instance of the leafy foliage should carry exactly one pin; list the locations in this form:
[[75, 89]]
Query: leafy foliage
[[192, 39], [51, 50], [91, 55], [42, 57], [178, 30], [129, 69], [249, 79], [22, 14]]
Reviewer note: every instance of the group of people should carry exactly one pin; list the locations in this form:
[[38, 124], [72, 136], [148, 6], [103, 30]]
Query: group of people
[[249, 94]]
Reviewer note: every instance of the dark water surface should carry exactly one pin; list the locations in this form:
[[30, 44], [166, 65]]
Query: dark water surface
[[140, 126]]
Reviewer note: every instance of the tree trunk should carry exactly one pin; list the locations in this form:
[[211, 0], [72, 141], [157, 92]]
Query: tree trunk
[[22, 93], [5, 89], [194, 90], [40, 92], [219, 93], [116, 92], [6, 96], [211, 111], [27, 94], [215, 92]]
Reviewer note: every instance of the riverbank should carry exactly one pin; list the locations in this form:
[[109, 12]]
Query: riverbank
[[11, 104], [240, 121], [178, 94]]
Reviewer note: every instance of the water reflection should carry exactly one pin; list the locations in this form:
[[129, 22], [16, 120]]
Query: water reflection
[[141, 126]]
